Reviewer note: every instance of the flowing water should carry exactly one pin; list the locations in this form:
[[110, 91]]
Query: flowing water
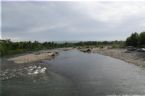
[[73, 73]]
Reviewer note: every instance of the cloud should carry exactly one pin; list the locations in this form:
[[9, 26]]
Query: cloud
[[60, 21]]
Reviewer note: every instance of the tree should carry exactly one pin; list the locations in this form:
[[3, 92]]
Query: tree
[[142, 38], [133, 40]]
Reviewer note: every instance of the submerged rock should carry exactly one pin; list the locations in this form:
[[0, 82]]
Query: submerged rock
[[36, 70], [24, 72]]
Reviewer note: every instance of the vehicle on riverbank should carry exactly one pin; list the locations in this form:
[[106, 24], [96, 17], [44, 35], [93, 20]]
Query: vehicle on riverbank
[[131, 48], [141, 50]]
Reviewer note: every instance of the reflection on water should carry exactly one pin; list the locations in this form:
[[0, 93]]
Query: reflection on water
[[73, 73]]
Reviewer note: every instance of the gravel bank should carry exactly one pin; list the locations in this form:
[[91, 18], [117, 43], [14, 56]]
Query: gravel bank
[[134, 57], [33, 57]]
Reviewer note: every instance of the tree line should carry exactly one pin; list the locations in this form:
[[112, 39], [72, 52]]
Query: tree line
[[7, 47], [136, 40]]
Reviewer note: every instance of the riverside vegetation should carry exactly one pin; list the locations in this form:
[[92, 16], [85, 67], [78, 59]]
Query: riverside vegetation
[[7, 47]]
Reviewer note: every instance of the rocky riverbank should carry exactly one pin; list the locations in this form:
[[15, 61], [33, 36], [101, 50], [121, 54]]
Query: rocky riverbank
[[135, 57]]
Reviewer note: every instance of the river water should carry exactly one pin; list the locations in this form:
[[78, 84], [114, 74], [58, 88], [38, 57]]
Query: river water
[[74, 73]]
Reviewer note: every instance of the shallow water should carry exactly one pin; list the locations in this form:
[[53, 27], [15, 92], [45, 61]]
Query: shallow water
[[74, 73]]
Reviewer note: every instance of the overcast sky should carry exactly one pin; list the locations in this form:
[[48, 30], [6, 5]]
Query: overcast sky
[[71, 21]]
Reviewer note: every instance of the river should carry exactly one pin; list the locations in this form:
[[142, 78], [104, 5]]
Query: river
[[74, 73]]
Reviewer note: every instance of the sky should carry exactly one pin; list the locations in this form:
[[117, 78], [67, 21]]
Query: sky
[[71, 21]]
